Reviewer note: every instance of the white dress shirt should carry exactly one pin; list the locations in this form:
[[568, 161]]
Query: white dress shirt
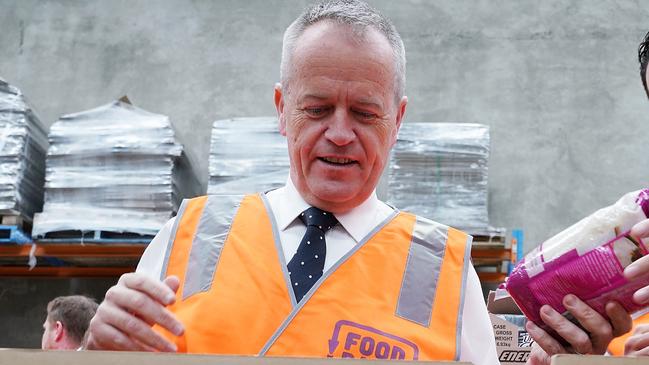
[[477, 344]]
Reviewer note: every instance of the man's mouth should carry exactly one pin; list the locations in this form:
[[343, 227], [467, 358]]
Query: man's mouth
[[337, 161]]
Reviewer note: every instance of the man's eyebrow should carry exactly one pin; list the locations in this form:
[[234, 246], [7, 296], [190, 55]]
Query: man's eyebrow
[[313, 96], [371, 103]]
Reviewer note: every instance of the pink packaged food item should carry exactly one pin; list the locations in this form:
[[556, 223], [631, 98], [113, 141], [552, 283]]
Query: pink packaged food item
[[587, 260]]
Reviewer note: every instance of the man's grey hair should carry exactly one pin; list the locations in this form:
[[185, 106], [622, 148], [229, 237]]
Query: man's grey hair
[[357, 14]]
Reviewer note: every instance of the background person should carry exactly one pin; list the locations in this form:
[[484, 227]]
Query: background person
[[636, 341], [66, 323]]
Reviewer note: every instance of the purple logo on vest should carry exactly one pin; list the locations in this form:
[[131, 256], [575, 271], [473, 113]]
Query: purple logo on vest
[[354, 340]]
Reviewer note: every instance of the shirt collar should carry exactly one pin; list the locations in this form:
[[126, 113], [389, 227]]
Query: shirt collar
[[355, 221]]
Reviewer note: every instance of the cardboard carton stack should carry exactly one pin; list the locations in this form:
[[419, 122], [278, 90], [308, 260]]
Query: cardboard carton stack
[[439, 171], [23, 144], [247, 155], [114, 168]]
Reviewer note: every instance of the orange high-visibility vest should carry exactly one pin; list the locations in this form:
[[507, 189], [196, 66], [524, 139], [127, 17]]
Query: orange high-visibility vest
[[616, 347], [397, 295]]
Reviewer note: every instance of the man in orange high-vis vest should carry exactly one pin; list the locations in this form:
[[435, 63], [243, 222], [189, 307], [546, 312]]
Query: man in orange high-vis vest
[[636, 341], [392, 285], [226, 276]]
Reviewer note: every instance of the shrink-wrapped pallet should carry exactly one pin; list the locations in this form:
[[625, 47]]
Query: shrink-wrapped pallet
[[114, 168], [247, 155], [439, 171], [23, 144]]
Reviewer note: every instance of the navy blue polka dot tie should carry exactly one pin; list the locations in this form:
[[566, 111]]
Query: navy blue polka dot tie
[[305, 268]]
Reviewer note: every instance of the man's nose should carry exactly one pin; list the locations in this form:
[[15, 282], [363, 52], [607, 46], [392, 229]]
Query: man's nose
[[340, 130]]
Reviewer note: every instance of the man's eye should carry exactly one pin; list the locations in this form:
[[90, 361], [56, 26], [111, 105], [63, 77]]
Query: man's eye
[[365, 115], [315, 111]]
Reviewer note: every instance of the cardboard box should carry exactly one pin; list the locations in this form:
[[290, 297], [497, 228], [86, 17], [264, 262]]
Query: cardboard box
[[30, 357], [513, 343], [597, 360]]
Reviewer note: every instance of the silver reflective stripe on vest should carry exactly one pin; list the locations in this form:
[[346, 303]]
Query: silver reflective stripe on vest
[[422, 271], [465, 274], [172, 237], [211, 232]]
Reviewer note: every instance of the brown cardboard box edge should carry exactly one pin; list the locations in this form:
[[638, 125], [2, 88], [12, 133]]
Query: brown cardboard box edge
[[597, 360], [501, 306], [25, 357]]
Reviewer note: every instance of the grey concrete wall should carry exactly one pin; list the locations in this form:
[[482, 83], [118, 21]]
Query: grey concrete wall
[[556, 80]]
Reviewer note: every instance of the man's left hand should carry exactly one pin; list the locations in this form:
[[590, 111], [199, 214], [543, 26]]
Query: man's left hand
[[593, 337], [640, 267], [638, 343]]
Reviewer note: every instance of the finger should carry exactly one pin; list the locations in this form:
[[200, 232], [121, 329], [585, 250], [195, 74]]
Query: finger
[[636, 343], [574, 335], [643, 352], [156, 289], [620, 320], [172, 282], [637, 269], [641, 230], [538, 356], [145, 308], [136, 329], [641, 296], [544, 340], [642, 328], [106, 337], [599, 331]]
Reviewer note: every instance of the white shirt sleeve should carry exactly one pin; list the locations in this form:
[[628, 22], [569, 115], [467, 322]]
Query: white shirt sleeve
[[478, 345], [153, 257]]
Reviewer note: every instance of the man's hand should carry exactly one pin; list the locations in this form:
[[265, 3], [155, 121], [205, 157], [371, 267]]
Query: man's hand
[[123, 320], [592, 338], [638, 343], [640, 267]]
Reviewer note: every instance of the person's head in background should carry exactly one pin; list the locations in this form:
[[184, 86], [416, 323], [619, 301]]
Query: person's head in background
[[643, 55], [67, 321], [340, 101]]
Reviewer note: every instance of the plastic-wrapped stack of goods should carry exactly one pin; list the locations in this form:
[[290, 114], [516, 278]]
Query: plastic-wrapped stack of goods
[[113, 169], [439, 171], [23, 144], [247, 155]]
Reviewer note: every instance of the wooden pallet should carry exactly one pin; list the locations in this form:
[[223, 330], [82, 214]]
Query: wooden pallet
[[14, 218], [14, 228], [99, 236]]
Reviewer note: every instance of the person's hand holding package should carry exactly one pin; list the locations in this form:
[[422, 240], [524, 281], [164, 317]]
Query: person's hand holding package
[[125, 318], [593, 337], [574, 289], [638, 343], [640, 268]]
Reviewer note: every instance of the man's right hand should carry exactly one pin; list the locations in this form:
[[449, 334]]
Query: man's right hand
[[124, 319]]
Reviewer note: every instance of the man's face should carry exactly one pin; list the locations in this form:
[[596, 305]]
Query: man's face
[[47, 342], [339, 114]]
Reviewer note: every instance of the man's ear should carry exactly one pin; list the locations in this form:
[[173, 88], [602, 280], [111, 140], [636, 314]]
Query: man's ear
[[279, 105], [401, 111], [59, 331]]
